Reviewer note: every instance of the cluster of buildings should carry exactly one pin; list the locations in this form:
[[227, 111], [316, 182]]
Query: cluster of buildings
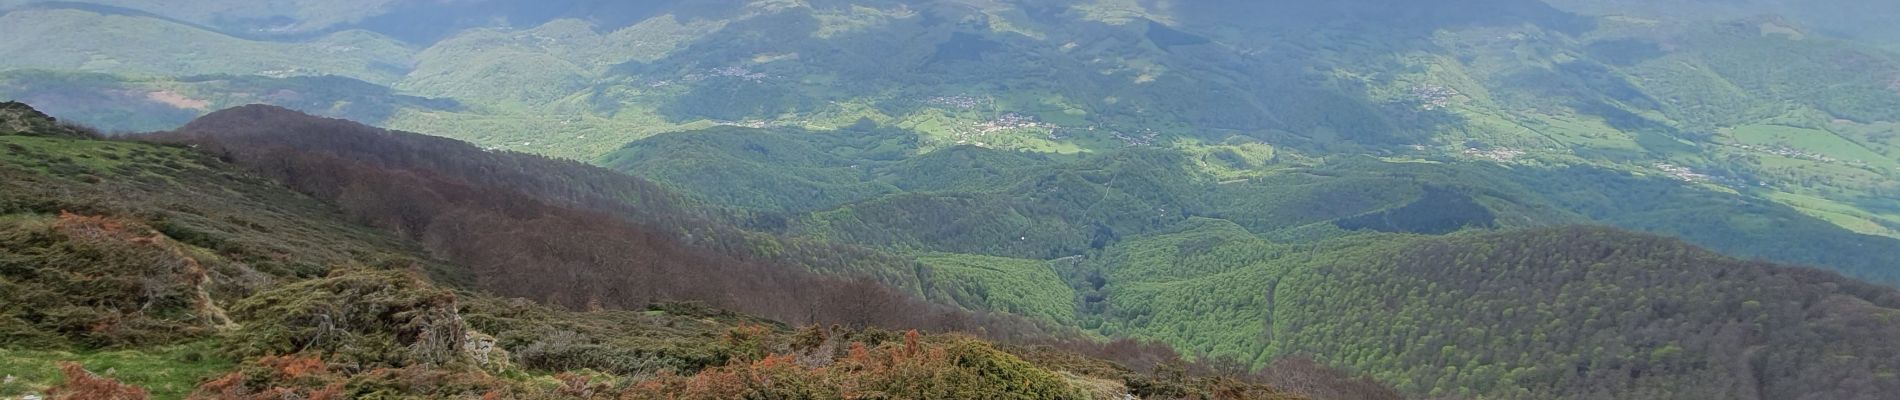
[[1147, 137], [1683, 173], [1434, 97], [1498, 154], [1011, 121], [730, 72], [958, 102], [1789, 152]]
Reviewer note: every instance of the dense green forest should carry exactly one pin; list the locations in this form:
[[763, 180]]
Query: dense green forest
[[1544, 313], [851, 186]]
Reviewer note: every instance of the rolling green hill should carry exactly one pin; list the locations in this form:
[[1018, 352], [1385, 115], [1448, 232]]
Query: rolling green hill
[[856, 185]]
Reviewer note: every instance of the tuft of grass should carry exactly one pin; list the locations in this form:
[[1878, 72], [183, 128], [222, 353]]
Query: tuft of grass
[[169, 372]]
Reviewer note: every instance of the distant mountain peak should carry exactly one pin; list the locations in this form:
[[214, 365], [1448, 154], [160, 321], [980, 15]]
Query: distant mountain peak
[[14, 111], [248, 116], [18, 118]]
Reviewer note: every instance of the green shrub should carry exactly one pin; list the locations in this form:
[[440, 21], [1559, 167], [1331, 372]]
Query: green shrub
[[98, 282], [361, 318]]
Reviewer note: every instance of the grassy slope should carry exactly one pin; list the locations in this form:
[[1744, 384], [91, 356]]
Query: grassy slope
[[245, 230], [188, 196], [170, 372]]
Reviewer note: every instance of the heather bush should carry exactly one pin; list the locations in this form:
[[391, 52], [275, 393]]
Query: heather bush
[[98, 282]]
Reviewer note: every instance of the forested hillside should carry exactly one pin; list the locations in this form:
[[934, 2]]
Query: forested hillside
[[571, 234], [1546, 313], [1464, 199], [1283, 259], [168, 271]]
